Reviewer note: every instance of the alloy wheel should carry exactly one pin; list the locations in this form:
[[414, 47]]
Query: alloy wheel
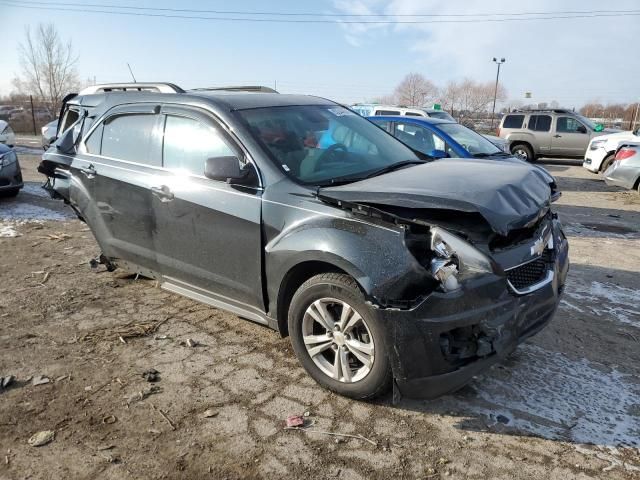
[[521, 153], [338, 340]]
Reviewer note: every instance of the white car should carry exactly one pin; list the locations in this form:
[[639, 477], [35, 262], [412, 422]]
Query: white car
[[602, 149], [6, 134]]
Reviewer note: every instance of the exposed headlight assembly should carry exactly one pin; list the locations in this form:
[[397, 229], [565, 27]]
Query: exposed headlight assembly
[[596, 144], [455, 260], [8, 158]]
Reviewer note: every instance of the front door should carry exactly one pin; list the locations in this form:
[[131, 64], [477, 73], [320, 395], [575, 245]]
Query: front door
[[208, 232], [570, 138]]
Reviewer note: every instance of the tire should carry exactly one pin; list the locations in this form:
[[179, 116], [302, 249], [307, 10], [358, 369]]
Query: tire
[[522, 151], [365, 376], [607, 161], [10, 193]]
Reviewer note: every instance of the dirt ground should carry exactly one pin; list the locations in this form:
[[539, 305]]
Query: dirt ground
[[565, 406]]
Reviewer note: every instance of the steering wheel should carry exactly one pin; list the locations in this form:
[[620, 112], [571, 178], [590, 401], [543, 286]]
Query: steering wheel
[[330, 153]]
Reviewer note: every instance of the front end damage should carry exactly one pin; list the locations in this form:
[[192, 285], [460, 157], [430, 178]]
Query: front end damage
[[485, 290]]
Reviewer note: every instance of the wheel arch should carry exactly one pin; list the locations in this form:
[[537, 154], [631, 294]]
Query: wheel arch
[[296, 276]]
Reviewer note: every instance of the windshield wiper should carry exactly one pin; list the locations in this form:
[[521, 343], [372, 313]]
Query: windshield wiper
[[395, 166]]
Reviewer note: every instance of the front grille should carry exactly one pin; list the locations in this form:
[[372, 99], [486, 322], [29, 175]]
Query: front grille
[[529, 274]]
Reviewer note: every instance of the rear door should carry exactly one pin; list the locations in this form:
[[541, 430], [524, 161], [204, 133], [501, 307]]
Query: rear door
[[570, 138], [114, 172], [208, 235], [540, 126]]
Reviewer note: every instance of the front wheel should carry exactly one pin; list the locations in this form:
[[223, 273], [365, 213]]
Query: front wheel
[[10, 193], [337, 339], [522, 152]]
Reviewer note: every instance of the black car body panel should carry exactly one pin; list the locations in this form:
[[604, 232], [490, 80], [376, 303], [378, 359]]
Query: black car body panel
[[246, 245], [521, 196]]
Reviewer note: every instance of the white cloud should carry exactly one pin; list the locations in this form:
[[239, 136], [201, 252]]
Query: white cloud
[[566, 60]]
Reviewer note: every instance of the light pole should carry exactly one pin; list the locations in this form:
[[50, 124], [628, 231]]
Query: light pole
[[495, 92]]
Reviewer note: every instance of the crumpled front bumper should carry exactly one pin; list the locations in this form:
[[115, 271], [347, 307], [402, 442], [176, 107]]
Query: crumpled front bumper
[[438, 346]]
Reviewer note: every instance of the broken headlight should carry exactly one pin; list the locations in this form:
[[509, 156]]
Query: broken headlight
[[455, 260]]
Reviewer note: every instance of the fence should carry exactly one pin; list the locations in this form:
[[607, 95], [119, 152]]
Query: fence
[[27, 115]]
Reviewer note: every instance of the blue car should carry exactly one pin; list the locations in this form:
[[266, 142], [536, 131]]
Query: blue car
[[439, 138]]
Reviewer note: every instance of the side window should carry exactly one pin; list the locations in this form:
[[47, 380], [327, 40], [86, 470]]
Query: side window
[[540, 123], [94, 142], [70, 117], [513, 121], [418, 138], [188, 143], [383, 124], [413, 114], [387, 112], [130, 137], [568, 125]]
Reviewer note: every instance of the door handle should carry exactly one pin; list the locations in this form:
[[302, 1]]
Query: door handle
[[163, 193], [89, 172], [557, 136]]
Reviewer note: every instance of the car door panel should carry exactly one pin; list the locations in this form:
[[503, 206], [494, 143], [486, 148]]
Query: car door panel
[[566, 140], [121, 212], [208, 233]]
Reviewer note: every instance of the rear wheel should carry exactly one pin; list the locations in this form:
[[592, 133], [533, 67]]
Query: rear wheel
[[337, 339], [522, 151], [607, 161]]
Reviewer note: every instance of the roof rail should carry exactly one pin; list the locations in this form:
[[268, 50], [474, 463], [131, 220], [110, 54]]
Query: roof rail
[[132, 87], [554, 110], [242, 88]]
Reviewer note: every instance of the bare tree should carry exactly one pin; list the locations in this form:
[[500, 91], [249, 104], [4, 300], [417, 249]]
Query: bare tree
[[48, 67], [415, 90]]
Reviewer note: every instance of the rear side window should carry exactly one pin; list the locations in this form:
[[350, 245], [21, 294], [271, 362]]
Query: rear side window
[[540, 123], [412, 114], [130, 137], [513, 121], [387, 112], [188, 143]]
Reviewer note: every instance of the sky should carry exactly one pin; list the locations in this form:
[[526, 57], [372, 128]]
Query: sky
[[571, 61]]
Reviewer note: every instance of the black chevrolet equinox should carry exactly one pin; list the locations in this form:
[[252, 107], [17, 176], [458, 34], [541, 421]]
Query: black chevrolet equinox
[[383, 265]]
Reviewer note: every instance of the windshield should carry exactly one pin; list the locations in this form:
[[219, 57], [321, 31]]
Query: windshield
[[472, 142], [321, 144], [441, 115]]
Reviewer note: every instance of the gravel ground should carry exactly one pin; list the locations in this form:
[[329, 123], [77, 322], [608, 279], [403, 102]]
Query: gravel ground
[[566, 405]]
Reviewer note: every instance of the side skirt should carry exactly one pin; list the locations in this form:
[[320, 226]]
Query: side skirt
[[209, 298]]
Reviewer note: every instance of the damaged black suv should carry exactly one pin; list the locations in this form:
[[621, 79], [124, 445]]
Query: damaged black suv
[[292, 211]]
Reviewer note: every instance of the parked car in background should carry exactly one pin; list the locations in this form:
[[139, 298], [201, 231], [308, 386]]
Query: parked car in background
[[7, 136], [602, 149], [625, 168], [554, 133], [439, 138], [368, 110], [49, 133], [10, 173], [373, 109], [306, 217]]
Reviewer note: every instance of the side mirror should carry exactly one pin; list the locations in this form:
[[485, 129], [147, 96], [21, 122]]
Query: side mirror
[[582, 129], [436, 154], [224, 168]]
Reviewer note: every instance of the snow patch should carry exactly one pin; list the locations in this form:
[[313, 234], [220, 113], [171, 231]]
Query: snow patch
[[7, 231], [549, 395], [607, 300], [31, 205]]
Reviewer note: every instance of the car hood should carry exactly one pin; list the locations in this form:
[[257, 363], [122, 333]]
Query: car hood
[[508, 195], [619, 136]]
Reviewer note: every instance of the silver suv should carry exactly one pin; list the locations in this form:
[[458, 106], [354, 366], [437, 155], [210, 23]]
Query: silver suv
[[537, 133]]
